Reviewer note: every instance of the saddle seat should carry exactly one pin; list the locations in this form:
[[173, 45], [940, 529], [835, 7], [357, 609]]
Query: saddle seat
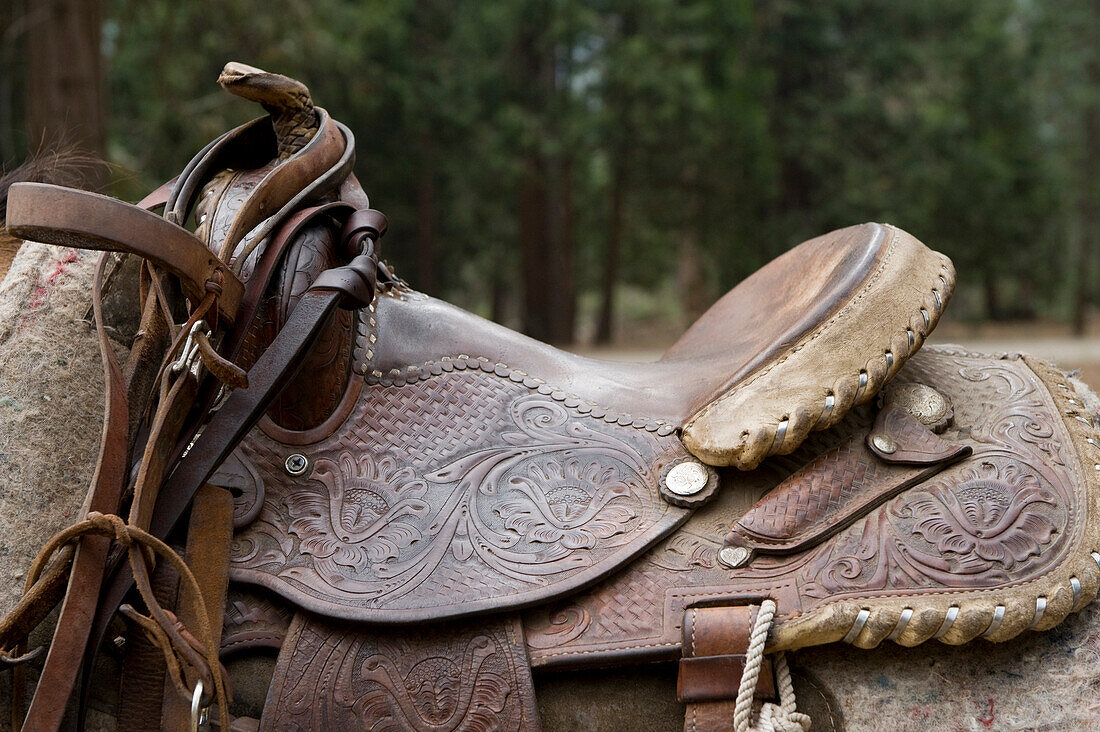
[[787, 351]]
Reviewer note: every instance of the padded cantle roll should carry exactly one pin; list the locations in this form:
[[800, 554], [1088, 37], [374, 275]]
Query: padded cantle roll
[[875, 293]]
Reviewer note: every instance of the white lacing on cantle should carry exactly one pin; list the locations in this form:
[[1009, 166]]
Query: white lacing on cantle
[[781, 717]]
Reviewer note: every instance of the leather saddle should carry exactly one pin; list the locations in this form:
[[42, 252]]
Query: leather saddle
[[420, 508]]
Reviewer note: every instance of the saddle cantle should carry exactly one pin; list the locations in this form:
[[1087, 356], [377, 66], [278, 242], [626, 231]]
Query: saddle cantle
[[426, 506]]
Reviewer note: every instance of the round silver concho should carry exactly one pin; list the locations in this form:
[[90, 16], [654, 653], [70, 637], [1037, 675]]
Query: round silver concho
[[687, 478], [922, 401], [884, 444]]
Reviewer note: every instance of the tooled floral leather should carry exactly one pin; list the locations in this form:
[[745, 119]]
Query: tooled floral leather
[[457, 676], [1005, 516], [253, 620], [461, 492]]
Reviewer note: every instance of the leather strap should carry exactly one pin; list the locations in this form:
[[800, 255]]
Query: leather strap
[[714, 646], [209, 534], [68, 217], [838, 488]]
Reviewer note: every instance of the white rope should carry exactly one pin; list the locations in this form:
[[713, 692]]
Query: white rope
[[781, 717]]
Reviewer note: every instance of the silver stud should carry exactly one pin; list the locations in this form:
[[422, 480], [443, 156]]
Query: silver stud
[[948, 621], [1040, 609], [687, 478], [857, 626], [885, 444], [830, 402], [296, 464], [927, 320], [780, 434], [734, 556], [998, 618], [906, 616], [939, 300], [1096, 558], [889, 360], [1075, 585]]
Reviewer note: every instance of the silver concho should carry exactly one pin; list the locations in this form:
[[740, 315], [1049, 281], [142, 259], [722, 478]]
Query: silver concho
[[687, 478], [929, 406]]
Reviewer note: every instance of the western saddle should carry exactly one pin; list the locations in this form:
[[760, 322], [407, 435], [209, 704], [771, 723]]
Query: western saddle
[[418, 508]]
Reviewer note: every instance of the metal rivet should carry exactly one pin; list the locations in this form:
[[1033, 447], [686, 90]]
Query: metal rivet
[[734, 556], [857, 626], [885, 444], [1075, 585], [687, 478], [296, 464]]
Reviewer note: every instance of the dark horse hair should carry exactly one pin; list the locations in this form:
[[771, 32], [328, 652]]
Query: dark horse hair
[[64, 166]]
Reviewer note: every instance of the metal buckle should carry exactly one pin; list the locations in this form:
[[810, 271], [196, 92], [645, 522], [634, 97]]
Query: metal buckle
[[189, 355], [199, 716]]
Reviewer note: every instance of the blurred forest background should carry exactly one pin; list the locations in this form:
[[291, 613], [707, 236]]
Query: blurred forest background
[[606, 169]]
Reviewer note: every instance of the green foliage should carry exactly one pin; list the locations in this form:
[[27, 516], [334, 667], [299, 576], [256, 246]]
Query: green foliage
[[744, 126]]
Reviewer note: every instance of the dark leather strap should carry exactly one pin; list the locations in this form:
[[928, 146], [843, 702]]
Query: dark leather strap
[[73, 218]]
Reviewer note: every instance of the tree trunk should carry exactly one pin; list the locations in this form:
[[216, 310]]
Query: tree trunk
[[605, 324], [534, 249], [562, 287], [65, 85], [1087, 212], [427, 254]]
